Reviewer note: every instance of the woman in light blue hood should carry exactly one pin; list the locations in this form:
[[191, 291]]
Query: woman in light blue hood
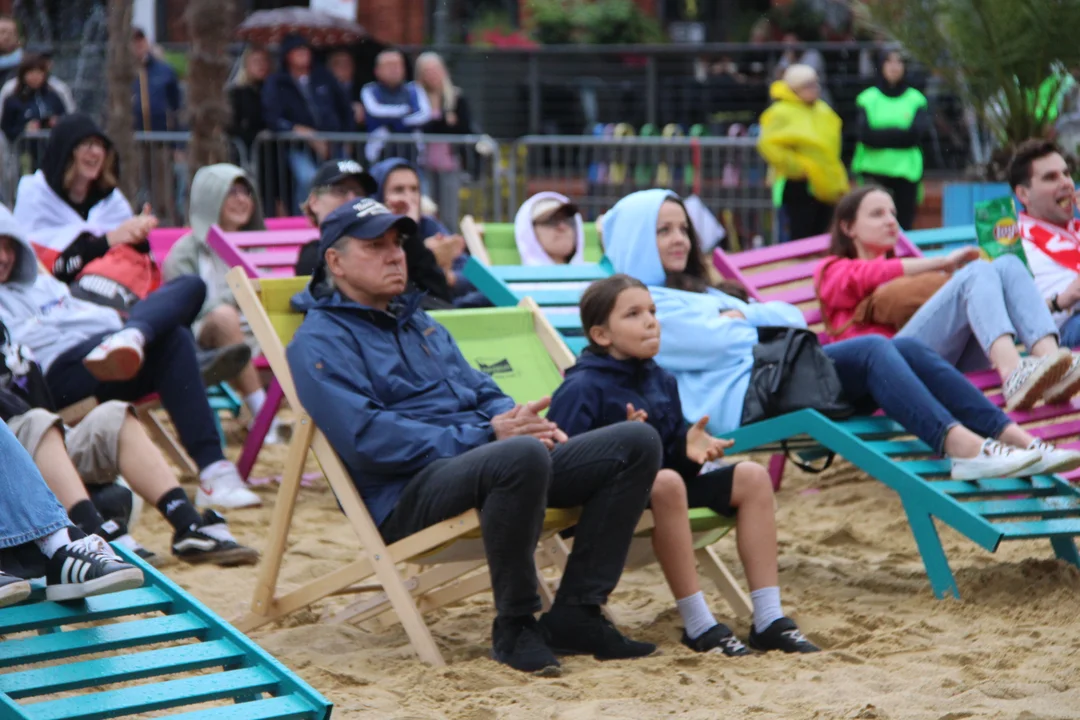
[[709, 336]]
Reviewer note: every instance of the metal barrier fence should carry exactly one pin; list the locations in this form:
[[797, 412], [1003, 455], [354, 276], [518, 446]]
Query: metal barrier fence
[[464, 174], [161, 170], [727, 174], [458, 172]]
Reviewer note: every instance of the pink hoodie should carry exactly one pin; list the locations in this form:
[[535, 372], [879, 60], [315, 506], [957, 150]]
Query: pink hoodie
[[842, 284]]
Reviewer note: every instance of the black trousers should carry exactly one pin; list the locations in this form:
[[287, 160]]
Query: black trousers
[[607, 472], [807, 216]]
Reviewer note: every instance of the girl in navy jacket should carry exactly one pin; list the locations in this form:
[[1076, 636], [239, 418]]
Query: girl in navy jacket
[[615, 380]]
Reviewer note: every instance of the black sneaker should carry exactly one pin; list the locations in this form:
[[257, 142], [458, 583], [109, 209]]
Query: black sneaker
[[717, 639], [517, 642], [221, 364], [115, 531], [88, 567], [784, 635], [12, 589], [583, 630], [211, 542]]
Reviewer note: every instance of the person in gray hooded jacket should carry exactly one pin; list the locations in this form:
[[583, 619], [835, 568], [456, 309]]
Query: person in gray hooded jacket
[[225, 195]]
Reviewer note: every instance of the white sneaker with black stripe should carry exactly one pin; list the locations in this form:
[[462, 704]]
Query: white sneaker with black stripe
[[86, 567]]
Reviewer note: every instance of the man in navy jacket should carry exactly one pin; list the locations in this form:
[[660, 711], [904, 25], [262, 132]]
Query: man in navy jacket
[[426, 437], [304, 99]]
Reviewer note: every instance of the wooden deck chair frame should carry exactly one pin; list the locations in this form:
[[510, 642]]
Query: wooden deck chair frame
[[474, 241], [407, 597]]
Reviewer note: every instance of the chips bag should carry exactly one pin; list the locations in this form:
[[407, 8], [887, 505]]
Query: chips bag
[[997, 229]]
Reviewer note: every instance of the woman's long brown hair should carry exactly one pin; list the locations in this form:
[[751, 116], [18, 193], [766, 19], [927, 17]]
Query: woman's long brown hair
[[695, 278]]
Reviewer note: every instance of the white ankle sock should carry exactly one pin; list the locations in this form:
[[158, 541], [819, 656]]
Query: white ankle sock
[[255, 401], [767, 608], [53, 542], [695, 614]]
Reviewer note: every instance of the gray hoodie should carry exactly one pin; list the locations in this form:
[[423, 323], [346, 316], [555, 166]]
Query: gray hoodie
[[39, 311], [191, 255]]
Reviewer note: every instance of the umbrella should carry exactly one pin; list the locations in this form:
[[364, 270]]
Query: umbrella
[[267, 27]]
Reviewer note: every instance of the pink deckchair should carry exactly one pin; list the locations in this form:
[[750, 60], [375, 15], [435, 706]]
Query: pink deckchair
[[261, 253], [785, 272], [162, 239]]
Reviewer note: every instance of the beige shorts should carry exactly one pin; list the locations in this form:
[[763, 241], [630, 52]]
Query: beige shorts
[[93, 445]]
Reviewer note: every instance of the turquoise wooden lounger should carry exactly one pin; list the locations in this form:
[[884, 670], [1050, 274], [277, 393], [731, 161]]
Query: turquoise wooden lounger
[[209, 663], [985, 511], [555, 288]]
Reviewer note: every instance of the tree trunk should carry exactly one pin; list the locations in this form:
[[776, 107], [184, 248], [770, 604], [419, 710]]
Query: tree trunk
[[210, 27], [120, 71]]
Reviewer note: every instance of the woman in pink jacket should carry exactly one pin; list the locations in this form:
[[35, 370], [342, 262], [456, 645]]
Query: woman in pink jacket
[[974, 320]]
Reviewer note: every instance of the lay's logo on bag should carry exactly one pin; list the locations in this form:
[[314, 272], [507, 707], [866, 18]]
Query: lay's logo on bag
[[1006, 231]]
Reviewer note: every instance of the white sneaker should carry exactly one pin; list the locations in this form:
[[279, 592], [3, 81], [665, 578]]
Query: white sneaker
[[1067, 387], [1033, 378], [220, 485], [118, 358], [995, 460], [1054, 459]]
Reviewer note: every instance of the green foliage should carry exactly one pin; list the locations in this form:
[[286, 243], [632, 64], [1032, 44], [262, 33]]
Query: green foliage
[[553, 20], [995, 53], [596, 22], [617, 22]]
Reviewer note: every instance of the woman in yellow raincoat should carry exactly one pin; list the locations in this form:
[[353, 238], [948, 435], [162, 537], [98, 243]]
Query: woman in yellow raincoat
[[800, 139]]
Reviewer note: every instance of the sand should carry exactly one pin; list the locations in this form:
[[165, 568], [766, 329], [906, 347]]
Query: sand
[[850, 575]]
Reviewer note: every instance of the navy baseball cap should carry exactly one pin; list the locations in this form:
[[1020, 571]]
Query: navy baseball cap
[[365, 219], [332, 172]]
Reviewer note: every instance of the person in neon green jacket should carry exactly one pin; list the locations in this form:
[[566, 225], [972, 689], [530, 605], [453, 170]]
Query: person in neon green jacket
[[800, 139], [892, 116]]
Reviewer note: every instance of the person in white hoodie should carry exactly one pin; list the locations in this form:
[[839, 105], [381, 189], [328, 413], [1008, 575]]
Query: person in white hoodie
[[87, 350], [548, 230]]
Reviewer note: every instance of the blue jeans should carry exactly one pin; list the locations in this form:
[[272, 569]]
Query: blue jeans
[[1070, 332], [28, 508], [303, 168], [982, 302], [914, 386]]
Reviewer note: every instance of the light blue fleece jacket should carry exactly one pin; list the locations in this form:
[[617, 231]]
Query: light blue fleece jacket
[[709, 355]]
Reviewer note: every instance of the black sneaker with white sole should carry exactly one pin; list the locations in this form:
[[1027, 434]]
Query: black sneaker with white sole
[[211, 542], [784, 635], [86, 567], [717, 639], [12, 589]]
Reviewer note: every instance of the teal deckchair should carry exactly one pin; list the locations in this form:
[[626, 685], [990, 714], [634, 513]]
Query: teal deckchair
[[156, 631], [556, 289], [938, 241]]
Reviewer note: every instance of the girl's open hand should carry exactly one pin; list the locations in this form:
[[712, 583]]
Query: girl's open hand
[[701, 447]]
